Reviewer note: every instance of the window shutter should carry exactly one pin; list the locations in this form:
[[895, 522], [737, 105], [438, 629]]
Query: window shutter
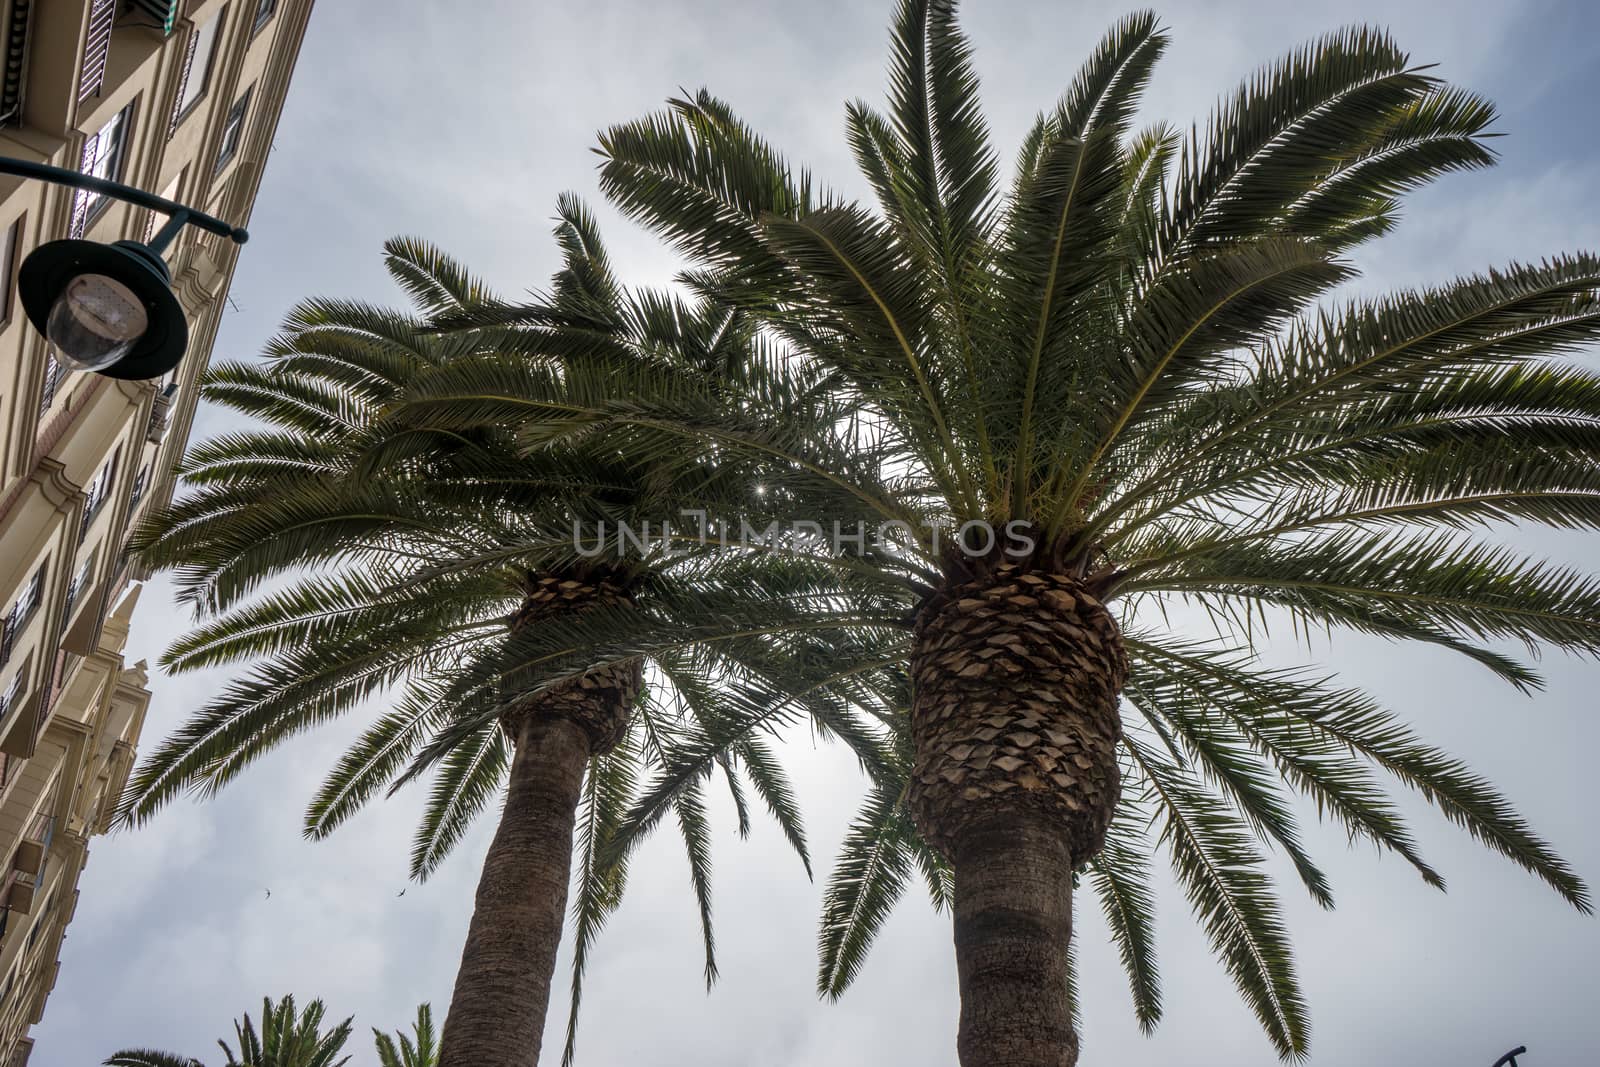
[[14, 42], [183, 79], [96, 48]]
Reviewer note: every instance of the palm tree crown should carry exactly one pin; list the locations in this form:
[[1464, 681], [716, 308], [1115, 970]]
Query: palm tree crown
[[416, 1049], [286, 1039], [1133, 355], [347, 553]]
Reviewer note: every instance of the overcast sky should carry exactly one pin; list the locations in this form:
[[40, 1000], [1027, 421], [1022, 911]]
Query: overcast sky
[[461, 122]]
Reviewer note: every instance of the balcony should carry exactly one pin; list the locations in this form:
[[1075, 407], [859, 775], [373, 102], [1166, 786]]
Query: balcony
[[35, 844], [26, 871], [18, 891], [160, 414]]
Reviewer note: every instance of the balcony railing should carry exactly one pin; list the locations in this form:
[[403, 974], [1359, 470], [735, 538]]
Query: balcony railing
[[97, 48]]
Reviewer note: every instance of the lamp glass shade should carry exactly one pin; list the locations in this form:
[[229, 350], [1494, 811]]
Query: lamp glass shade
[[95, 322]]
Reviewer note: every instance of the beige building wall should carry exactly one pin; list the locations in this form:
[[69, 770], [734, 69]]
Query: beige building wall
[[180, 98]]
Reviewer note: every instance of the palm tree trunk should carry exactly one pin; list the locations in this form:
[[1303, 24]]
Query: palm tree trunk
[[1015, 720], [1013, 926], [502, 991]]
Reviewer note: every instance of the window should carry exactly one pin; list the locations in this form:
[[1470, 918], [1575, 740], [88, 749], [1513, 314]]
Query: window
[[197, 62], [264, 12], [98, 491], [75, 587], [141, 481], [27, 601], [169, 192], [21, 612], [43, 920], [103, 157], [9, 245], [54, 371], [233, 130], [8, 695]]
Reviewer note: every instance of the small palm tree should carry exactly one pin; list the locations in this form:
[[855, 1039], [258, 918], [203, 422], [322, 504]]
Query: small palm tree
[[1070, 403], [286, 1039], [418, 1049], [144, 1057], [446, 564]]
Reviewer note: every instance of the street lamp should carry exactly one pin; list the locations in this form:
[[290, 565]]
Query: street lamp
[[110, 308]]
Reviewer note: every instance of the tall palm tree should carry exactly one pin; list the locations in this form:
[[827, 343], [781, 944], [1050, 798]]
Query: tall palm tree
[[1065, 406], [417, 1049], [446, 564], [286, 1039]]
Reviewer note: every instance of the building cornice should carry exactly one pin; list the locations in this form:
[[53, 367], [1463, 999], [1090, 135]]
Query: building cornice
[[50, 475]]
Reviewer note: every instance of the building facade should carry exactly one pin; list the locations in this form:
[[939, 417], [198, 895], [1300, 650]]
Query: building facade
[[180, 98]]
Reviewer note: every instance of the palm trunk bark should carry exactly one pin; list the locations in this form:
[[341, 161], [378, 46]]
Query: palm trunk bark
[[1013, 926], [502, 991], [1015, 721]]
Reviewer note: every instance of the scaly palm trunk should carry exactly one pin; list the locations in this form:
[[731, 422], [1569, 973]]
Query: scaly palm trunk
[[502, 991], [1015, 721]]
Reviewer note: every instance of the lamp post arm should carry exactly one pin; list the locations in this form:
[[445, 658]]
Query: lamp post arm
[[181, 214]]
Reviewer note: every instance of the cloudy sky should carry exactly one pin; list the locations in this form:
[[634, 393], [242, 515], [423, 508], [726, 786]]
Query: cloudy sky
[[461, 122]]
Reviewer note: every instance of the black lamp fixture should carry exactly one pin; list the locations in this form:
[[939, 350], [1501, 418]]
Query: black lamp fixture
[[110, 308]]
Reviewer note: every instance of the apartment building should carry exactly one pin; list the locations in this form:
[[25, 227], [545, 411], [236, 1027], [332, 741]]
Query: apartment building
[[180, 98]]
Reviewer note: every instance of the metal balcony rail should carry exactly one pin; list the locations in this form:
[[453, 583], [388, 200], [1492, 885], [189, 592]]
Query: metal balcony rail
[[160, 413]]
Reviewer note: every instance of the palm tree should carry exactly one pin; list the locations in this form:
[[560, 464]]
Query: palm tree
[[286, 1039], [446, 564], [418, 1049], [1108, 389]]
